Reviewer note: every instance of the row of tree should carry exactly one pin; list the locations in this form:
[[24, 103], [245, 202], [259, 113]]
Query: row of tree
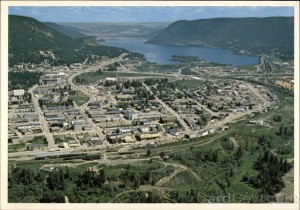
[[22, 79], [270, 171]]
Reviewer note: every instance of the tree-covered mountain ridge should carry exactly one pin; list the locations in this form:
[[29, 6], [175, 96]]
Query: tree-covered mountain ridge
[[31, 41], [271, 35]]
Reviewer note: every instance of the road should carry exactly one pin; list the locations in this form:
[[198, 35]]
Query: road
[[38, 152], [95, 128], [42, 120], [170, 110], [257, 94], [70, 79], [204, 107]]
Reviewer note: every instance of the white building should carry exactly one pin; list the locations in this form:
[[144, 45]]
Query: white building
[[19, 92]]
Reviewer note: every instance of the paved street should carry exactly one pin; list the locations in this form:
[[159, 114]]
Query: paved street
[[42, 120]]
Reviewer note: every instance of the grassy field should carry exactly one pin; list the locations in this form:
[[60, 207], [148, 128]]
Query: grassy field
[[80, 98], [183, 181], [237, 186], [62, 138], [16, 147], [153, 67], [39, 140]]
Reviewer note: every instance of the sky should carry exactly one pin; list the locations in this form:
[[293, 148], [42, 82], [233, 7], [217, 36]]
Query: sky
[[143, 14]]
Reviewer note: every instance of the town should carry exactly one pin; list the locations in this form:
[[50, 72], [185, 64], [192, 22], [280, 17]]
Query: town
[[62, 116], [156, 104]]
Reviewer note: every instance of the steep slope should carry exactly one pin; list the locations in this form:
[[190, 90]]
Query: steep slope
[[67, 30], [255, 35], [30, 41]]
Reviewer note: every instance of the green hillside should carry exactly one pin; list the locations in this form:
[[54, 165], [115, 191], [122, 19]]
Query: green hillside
[[30, 41], [273, 35], [67, 30]]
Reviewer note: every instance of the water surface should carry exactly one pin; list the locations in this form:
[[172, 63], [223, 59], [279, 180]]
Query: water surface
[[162, 54]]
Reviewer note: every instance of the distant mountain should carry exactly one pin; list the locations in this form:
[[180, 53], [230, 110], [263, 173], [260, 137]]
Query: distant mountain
[[67, 30], [272, 35], [102, 29], [31, 41]]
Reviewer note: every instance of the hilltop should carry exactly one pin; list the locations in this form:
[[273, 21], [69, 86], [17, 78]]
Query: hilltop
[[272, 35], [31, 41]]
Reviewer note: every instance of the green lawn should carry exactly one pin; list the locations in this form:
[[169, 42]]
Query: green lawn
[[183, 182], [238, 186], [62, 138], [80, 98], [38, 140], [83, 167], [16, 147]]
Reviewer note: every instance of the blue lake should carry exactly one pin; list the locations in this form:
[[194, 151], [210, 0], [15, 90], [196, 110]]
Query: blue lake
[[162, 54]]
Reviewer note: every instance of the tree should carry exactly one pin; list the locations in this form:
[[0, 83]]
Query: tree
[[162, 154], [239, 153], [148, 153], [277, 118], [102, 176]]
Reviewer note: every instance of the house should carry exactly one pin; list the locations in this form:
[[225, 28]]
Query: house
[[99, 119], [190, 122], [32, 117], [145, 121], [130, 115], [94, 104], [26, 131], [211, 130], [113, 111], [128, 139], [55, 118], [142, 136], [87, 128], [256, 122], [74, 144], [114, 136], [55, 129], [125, 97], [273, 96], [223, 128], [36, 130], [32, 147], [168, 119], [191, 135], [63, 145], [19, 93], [95, 138], [175, 132], [144, 129], [77, 127], [204, 132], [124, 130]]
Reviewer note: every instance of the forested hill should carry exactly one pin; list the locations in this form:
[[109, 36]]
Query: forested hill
[[67, 30], [30, 41], [255, 35]]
